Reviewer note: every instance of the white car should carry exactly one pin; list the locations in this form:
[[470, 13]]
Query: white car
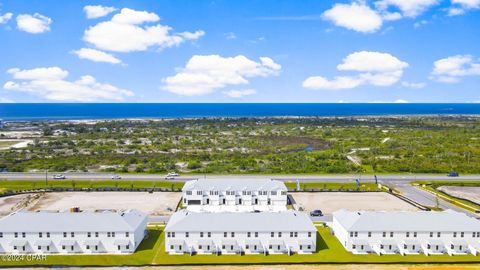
[[116, 177], [171, 175], [59, 176]]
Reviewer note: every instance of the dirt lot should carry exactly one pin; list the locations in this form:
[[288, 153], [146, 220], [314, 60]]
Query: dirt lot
[[329, 202], [14, 203], [469, 193], [157, 203]]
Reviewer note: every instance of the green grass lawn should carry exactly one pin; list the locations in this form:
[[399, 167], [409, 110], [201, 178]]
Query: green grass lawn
[[329, 250], [334, 186], [16, 185]]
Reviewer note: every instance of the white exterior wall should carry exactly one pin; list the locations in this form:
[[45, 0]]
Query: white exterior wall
[[400, 243], [219, 201], [81, 242], [178, 243]]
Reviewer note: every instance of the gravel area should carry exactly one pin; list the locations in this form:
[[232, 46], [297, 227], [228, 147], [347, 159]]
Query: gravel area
[[157, 203], [469, 193], [329, 202]]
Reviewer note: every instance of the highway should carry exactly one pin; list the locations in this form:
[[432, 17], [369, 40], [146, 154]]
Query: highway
[[386, 178]]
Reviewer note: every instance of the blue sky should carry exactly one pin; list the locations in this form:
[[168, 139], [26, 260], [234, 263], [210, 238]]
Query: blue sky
[[240, 51]]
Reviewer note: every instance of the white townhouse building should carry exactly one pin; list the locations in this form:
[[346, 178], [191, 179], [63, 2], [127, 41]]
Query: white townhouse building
[[72, 232], [428, 233], [240, 233], [240, 195]]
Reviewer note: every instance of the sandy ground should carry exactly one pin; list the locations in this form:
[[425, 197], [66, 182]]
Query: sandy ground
[[469, 193], [329, 202], [303, 267], [157, 203], [17, 202]]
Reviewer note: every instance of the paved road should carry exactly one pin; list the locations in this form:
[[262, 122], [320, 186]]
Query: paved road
[[302, 178], [164, 219]]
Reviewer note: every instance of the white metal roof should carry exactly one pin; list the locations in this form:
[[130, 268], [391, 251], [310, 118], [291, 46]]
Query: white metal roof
[[422, 221], [184, 221], [235, 185], [72, 222]]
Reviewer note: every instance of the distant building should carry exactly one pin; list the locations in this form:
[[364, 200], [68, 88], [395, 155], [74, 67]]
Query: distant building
[[227, 195], [426, 233], [238, 233], [66, 232]]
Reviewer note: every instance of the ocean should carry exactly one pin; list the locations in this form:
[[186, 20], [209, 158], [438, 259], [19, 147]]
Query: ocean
[[79, 111]]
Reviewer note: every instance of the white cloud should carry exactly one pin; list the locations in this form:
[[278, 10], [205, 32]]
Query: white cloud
[[230, 35], [126, 32], [413, 85], [203, 74], [96, 56], [356, 16], [374, 68], [409, 8], [461, 6], [240, 93], [453, 68], [34, 24], [400, 101], [5, 17], [98, 11], [50, 83], [420, 23]]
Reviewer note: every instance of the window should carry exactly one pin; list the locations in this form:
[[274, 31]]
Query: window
[[247, 247], [128, 246], [118, 247], [199, 192], [369, 234], [356, 234], [414, 234], [351, 234], [108, 234], [88, 247], [249, 234], [72, 234], [225, 234], [407, 234], [23, 234], [291, 234], [391, 234], [113, 234], [272, 234], [64, 234], [233, 234], [201, 234], [473, 235], [353, 246], [454, 234], [309, 247], [189, 192], [279, 234], [15, 234], [462, 234], [39, 247], [40, 234], [168, 234], [171, 246], [431, 234], [173, 234], [256, 234], [127, 234], [438, 234], [274, 193], [384, 234], [186, 234], [209, 234], [284, 193], [96, 234], [309, 234], [89, 234], [1, 234], [63, 247]]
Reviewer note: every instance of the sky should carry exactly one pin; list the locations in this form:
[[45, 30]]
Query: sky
[[240, 51]]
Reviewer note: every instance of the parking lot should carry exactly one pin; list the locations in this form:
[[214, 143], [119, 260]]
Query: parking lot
[[157, 203], [329, 202]]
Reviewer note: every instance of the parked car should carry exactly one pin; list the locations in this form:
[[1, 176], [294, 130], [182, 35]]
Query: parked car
[[316, 213], [59, 176], [452, 174], [116, 177]]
